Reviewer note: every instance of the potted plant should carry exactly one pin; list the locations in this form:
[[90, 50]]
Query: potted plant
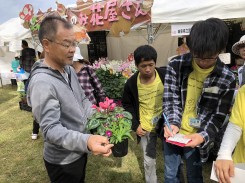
[[113, 122], [113, 75], [23, 101]]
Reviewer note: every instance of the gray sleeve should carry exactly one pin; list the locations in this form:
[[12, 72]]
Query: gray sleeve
[[46, 110]]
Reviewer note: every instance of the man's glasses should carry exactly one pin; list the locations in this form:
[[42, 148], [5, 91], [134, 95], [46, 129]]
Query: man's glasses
[[66, 45]]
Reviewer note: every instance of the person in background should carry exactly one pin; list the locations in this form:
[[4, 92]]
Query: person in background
[[239, 49], [28, 57], [60, 106], [142, 97], [198, 90], [15, 64], [234, 139], [88, 79], [239, 63]]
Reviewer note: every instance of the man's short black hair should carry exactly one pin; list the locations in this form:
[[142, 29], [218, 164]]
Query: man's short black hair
[[49, 26], [145, 53], [24, 43], [208, 38]]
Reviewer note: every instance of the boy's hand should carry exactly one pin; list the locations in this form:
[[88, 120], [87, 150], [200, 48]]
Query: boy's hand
[[168, 133], [224, 170], [196, 139], [140, 131]]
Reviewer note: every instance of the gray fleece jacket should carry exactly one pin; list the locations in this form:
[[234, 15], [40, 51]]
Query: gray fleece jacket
[[61, 109]]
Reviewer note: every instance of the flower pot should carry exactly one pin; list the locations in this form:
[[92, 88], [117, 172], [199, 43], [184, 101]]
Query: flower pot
[[120, 149], [24, 106]]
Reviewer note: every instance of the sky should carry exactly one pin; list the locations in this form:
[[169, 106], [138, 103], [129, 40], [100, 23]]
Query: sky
[[11, 8]]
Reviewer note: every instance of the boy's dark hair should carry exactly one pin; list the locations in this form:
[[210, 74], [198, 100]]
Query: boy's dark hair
[[145, 53], [24, 43], [208, 38], [49, 26]]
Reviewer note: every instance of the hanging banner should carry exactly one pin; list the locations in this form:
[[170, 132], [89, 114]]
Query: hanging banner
[[181, 29], [115, 15], [118, 16]]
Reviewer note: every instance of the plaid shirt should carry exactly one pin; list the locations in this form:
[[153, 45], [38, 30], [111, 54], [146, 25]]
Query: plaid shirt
[[213, 104], [84, 80], [27, 59]]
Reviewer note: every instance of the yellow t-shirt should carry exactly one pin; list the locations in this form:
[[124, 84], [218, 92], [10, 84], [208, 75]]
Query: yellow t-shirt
[[194, 88], [150, 102], [238, 118]]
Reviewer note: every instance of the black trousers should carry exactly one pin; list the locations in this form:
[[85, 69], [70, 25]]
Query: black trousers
[[35, 129], [70, 173]]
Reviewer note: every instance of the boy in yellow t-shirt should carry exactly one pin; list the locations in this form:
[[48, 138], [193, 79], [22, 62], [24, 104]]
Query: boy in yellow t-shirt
[[198, 92], [143, 98]]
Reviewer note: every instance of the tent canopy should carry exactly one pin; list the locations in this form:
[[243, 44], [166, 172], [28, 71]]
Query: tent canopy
[[13, 30], [169, 11]]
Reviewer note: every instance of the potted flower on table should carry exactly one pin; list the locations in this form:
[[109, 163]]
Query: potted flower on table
[[113, 122]]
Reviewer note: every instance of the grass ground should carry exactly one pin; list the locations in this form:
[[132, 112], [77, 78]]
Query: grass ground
[[21, 158]]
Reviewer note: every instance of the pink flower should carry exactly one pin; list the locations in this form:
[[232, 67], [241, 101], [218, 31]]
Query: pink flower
[[119, 116], [103, 105], [95, 107], [108, 133], [109, 101], [112, 106], [107, 104]]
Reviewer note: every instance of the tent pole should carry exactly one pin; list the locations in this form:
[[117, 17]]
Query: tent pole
[[150, 33]]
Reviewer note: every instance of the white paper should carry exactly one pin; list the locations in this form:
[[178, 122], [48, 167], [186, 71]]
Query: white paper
[[179, 138], [225, 57], [239, 174]]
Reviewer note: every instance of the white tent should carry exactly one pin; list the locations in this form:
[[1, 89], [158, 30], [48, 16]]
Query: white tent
[[169, 11], [13, 30]]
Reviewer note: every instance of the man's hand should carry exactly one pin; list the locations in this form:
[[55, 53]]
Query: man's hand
[[196, 139], [140, 132], [168, 133], [99, 145], [224, 170]]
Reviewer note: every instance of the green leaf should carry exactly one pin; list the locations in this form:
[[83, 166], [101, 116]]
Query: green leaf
[[127, 115], [118, 109], [93, 123], [101, 130], [100, 115]]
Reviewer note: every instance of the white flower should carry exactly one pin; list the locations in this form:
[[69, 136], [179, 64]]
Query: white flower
[[103, 67]]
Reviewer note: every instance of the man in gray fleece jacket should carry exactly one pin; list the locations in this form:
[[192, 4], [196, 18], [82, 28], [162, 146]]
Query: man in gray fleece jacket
[[60, 107]]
